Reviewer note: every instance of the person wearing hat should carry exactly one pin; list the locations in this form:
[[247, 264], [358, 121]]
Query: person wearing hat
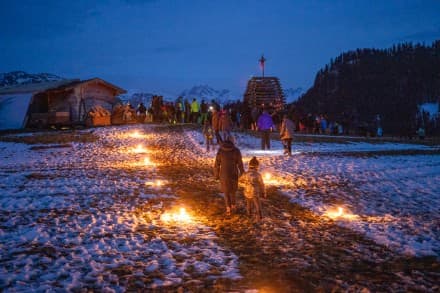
[[228, 167], [253, 189]]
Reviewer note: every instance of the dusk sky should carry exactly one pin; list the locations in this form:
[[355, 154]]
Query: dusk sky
[[167, 46]]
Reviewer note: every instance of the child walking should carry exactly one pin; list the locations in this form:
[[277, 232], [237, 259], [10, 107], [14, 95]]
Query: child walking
[[253, 189], [208, 133]]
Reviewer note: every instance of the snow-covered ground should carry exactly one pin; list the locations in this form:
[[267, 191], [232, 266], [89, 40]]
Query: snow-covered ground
[[394, 200], [77, 217]]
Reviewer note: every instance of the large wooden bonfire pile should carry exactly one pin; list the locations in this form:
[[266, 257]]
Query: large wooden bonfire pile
[[98, 116], [265, 92]]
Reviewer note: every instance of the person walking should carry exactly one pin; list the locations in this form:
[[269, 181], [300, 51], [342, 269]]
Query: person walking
[[286, 134], [253, 189], [265, 125], [228, 167]]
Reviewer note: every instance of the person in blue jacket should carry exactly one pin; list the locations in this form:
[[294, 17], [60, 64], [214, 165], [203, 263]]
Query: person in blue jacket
[[265, 125]]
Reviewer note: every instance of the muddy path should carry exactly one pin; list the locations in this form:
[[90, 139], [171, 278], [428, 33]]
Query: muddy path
[[292, 249]]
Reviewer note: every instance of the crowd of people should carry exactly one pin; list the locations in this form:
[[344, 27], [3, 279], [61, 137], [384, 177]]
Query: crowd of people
[[244, 117], [218, 122]]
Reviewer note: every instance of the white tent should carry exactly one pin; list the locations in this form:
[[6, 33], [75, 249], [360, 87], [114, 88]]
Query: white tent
[[13, 109], [15, 100]]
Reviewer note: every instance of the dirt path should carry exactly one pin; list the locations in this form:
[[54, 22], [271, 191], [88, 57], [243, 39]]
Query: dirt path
[[291, 250]]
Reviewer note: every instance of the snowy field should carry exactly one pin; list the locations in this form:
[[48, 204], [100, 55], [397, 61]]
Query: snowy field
[[77, 217], [393, 200]]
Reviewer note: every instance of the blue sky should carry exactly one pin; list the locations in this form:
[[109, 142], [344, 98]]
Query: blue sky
[[168, 46]]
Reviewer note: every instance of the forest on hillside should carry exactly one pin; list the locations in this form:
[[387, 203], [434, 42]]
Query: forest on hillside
[[391, 82]]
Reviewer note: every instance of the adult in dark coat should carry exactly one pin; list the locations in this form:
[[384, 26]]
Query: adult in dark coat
[[228, 167]]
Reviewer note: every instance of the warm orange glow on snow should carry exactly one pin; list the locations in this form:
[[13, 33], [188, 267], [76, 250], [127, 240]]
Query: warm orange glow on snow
[[179, 217], [148, 162], [140, 149], [340, 213], [136, 134], [156, 183], [267, 176], [269, 179]]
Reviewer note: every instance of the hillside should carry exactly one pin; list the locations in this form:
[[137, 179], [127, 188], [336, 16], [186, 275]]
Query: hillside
[[21, 77], [390, 82]]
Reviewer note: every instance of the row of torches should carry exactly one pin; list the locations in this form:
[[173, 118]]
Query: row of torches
[[179, 215], [182, 216]]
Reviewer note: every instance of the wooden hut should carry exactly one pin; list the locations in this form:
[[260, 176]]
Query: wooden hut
[[64, 102], [265, 92]]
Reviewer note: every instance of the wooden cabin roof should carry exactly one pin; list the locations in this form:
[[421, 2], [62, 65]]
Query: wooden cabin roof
[[35, 87], [55, 86], [76, 83]]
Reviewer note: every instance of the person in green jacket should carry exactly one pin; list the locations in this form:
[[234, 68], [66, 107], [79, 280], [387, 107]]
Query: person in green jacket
[[195, 110]]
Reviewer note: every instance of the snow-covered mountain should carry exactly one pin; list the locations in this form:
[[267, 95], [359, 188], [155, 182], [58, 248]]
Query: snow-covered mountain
[[135, 97], [21, 77], [207, 93], [292, 94]]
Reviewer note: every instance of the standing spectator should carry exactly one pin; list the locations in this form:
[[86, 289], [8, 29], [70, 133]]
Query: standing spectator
[[225, 124], [208, 133], [421, 133], [187, 111], [215, 122], [215, 105], [254, 116], [323, 122], [179, 110], [228, 167], [265, 126], [195, 109], [286, 134], [203, 112], [141, 113]]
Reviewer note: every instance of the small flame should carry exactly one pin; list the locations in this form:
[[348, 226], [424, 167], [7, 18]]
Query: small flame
[[140, 149], [340, 213], [136, 134], [182, 216], [269, 179], [156, 183], [148, 162], [267, 176]]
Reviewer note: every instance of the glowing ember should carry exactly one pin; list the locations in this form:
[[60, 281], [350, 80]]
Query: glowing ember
[[140, 149], [267, 176], [269, 179], [156, 183], [148, 162], [181, 217], [340, 213], [136, 134]]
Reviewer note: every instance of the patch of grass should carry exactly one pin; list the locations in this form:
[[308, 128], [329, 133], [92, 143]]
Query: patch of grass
[[57, 137]]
